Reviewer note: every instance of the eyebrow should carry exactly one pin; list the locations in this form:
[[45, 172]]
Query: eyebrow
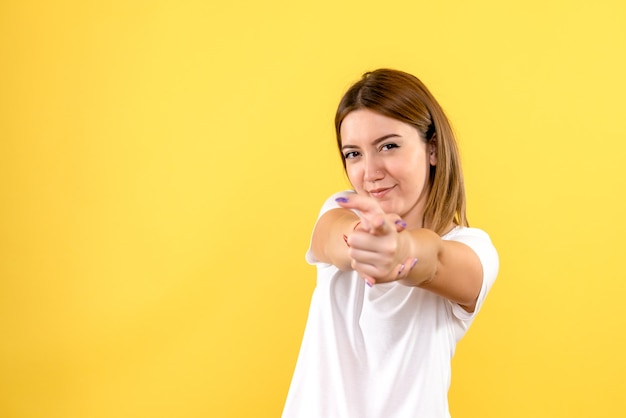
[[375, 142]]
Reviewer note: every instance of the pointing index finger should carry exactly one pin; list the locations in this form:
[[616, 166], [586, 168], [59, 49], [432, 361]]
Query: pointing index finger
[[370, 212]]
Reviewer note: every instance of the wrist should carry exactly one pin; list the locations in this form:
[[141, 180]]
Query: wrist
[[408, 246], [410, 251]]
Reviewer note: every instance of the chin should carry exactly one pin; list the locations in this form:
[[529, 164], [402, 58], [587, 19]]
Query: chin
[[389, 207]]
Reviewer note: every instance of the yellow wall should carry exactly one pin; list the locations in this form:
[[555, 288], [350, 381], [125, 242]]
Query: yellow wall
[[162, 163]]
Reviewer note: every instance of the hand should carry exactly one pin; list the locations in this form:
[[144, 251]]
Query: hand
[[377, 250]]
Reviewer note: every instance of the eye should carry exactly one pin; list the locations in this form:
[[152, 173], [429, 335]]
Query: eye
[[389, 146], [350, 155]]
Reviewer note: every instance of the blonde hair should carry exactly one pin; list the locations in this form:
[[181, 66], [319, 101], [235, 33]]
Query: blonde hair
[[404, 97]]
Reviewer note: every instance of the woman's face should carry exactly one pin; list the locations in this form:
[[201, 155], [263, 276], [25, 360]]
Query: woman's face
[[389, 161]]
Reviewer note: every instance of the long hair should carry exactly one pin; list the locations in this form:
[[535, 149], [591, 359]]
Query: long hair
[[404, 97]]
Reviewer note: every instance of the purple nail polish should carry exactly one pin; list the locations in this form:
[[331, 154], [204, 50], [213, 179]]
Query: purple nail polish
[[341, 200], [401, 223], [414, 263], [402, 266]]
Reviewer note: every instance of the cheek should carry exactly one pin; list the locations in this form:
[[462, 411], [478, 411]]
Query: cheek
[[354, 176], [414, 174]]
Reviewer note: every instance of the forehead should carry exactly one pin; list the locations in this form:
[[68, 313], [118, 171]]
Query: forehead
[[366, 125]]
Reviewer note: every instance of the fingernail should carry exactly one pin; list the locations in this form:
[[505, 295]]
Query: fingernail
[[341, 200], [414, 263], [401, 223], [345, 239], [401, 269]]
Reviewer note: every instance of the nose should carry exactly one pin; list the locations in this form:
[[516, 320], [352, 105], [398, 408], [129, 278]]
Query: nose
[[373, 169]]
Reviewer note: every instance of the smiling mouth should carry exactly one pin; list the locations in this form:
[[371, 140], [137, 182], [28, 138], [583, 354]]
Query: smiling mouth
[[380, 193]]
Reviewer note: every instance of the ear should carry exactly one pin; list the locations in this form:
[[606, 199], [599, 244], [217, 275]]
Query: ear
[[432, 151]]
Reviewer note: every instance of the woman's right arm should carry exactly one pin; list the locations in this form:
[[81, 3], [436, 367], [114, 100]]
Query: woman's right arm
[[328, 244]]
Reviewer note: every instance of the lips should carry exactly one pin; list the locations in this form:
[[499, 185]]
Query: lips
[[380, 193]]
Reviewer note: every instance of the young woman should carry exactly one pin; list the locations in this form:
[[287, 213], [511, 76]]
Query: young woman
[[401, 275]]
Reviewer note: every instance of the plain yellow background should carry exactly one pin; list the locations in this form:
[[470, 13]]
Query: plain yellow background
[[162, 164]]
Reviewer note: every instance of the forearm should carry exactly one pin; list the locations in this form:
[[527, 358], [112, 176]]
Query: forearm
[[424, 245], [448, 268], [328, 244]]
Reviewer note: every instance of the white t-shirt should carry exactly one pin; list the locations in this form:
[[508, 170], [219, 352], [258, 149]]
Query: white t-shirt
[[384, 351]]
